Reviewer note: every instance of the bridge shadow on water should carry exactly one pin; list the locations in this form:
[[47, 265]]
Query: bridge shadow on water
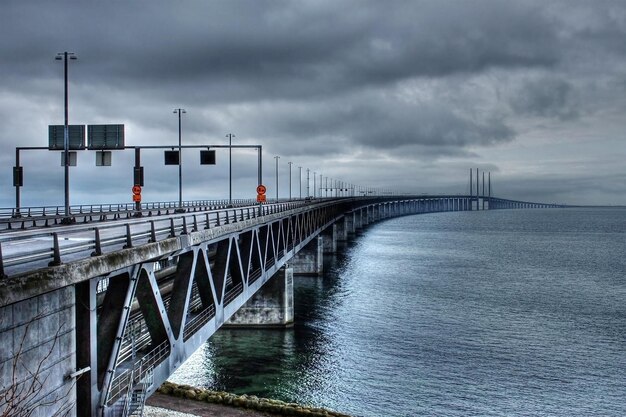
[[284, 364]]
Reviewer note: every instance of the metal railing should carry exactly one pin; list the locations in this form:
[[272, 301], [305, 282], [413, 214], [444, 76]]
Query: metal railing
[[85, 209], [233, 293], [197, 321], [82, 241], [140, 369]]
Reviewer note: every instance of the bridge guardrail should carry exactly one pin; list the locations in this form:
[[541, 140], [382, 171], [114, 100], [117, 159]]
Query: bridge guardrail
[[32, 216], [82, 241], [29, 250], [33, 211]]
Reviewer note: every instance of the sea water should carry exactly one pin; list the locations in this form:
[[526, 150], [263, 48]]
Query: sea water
[[491, 313]]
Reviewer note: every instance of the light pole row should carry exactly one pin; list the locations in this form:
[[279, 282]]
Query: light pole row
[[66, 56], [326, 185]]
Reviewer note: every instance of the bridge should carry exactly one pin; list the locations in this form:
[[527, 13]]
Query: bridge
[[97, 313]]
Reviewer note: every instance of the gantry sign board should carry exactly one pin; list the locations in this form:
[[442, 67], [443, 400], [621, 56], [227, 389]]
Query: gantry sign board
[[56, 137], [103, 137], [99, 137]]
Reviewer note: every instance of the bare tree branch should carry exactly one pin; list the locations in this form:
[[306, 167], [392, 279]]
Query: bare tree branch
[[23, 399]]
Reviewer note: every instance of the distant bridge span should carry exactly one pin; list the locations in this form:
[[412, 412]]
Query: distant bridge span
[[128, 300]]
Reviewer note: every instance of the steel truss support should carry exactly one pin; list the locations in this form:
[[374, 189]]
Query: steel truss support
[[146, 320]]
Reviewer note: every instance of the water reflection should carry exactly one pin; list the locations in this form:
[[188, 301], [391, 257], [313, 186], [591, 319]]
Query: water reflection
[[452, 314], [277, 363]]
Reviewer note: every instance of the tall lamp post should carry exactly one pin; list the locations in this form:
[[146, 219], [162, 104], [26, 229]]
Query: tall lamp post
[[300, 182], [230, 137], [277, 158], [180, 159], [290, 164], [65, 56], [308, 194], [320, 190]]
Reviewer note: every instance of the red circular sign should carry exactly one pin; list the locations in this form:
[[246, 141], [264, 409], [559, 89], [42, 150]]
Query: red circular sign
[[136, 189], [261, 189]]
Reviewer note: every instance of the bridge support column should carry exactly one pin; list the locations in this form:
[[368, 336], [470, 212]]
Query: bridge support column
[[350, 220], [37, 336], [310, 260], [87, 392], [330, 238], [365, 216], [342, 229], [271, 306]]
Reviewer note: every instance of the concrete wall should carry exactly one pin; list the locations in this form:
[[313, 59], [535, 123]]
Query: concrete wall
[[309, 260], [271, 306], [37, 338], [342, 229], [350, 224], [329, 237]]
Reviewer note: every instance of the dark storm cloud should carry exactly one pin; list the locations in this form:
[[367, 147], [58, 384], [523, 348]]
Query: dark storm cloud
[[331, 84], [546, 97], [384, 124], [277, 49]]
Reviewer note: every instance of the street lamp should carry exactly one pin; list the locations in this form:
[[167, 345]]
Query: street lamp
[[300, 182], [277, 158], [180, 160], [314, 176], [308, 194], [321, 185], [64, 56], [320, 192], [290, 164], [230, 137]]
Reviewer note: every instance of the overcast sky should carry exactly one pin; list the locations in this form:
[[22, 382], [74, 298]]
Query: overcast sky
[[401, 95]]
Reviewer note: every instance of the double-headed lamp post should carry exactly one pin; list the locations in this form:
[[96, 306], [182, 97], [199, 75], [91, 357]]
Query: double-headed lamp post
[[290, 164], [300, 182], [65, 56], [277, 158], [308, 172], [230, 137], [180, 158]]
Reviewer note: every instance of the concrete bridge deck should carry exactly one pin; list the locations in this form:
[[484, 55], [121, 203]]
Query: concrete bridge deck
[[124, 303]]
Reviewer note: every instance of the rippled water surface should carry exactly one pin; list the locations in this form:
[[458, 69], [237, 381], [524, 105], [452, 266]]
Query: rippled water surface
[[502, 313]]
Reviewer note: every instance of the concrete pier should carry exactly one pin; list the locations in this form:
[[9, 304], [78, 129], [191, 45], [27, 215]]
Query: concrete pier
[[310, 260], [350, 219], [271, 306], [342, 229], [329, 237]]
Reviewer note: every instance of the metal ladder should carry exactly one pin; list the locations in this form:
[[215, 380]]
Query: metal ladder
[[136, 397]]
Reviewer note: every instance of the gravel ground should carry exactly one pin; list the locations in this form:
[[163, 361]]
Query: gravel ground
[[150, 411], [159, 405]]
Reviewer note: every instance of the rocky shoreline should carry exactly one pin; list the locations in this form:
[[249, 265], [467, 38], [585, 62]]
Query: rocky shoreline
[[247, 402]]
